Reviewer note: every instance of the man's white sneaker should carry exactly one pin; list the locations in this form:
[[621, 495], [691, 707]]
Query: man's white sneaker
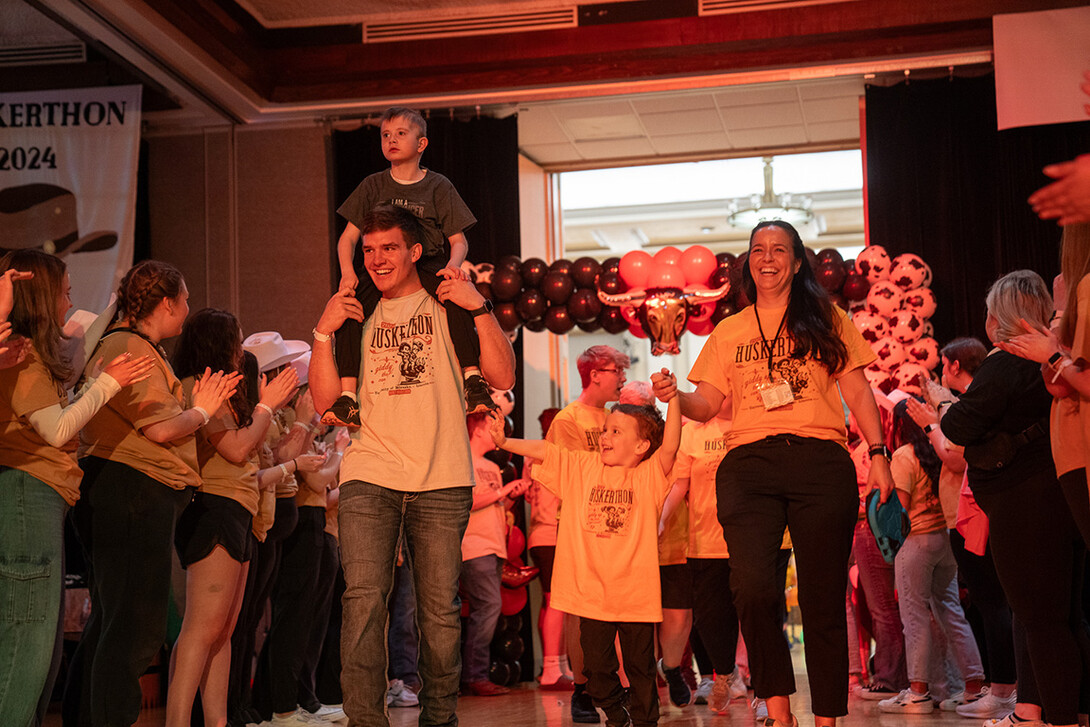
[[703, 690], [1011, 721], [298, 718], [908, 702], [331, 713], [989, 706], [399, 695]]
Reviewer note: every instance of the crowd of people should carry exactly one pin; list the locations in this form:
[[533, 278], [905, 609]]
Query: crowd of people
[[344, 489]]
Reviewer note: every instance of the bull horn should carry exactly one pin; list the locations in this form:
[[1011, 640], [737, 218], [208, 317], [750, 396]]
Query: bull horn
[[708, 294], [620, 299]]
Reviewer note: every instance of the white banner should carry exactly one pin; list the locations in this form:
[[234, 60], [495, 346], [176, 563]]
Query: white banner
[[1039, 61], [68, 181]]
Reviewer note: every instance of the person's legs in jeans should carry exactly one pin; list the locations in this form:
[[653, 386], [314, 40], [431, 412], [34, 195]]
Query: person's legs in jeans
[[369, 522], [480, 585], [946, 609], [31, 589], [403, 639], [913, 570], [435, 522]]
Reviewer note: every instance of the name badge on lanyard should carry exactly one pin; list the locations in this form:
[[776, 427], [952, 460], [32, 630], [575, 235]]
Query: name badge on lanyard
[[776, 392]]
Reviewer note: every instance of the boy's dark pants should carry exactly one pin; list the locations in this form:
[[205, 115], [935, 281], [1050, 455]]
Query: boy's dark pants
[[463, 331], [600, 667]]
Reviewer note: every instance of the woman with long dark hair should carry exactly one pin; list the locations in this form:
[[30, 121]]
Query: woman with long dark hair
[[140, 468], [926, 572], [786, 361], [213, 536], [39, 478]]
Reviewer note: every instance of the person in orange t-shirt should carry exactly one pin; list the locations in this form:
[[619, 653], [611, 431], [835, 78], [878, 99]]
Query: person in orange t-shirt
[[607, 549]]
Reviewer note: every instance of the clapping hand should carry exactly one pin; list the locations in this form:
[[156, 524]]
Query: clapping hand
[[126, 370]]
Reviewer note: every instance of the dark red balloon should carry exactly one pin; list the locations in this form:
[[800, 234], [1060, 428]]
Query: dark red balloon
[[558, 320], [584, 305], [831, 275], [723, 308], [611, 319], [531, 304], [533, 271], [611, 283], [507, 316], [560, 266], [506, 284], [611, 265], [584, 272], [509, 262], [485, 289], [855, 286], [725, 259], [537, 325], [719, 277], [556, 286], [830, 253], [849, 265], [589, 326]]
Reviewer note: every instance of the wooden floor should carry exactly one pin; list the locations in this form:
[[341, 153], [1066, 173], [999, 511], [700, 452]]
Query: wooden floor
[[526, 706]]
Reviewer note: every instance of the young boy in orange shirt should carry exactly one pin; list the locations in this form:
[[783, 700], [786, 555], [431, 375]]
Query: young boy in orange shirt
[[606, 568]]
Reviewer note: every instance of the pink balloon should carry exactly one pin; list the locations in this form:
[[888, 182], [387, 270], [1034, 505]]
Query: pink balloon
[[669, 255], [700, 327], [698, 263], [637, 330], [666, 275], [704, 311], [635, 268]]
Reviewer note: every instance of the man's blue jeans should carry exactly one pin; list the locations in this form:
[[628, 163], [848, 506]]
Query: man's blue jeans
[[481, 578], [371, 517]]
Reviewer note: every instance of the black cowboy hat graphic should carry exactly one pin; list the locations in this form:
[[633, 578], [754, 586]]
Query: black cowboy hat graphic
[[43, 216]]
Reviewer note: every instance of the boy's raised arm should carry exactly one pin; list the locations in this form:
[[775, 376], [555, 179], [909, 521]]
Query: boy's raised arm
[[346, 247], [671, 435], [535, 448]]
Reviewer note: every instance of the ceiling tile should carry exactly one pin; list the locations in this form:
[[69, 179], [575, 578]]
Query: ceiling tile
[[615, 149], [831, 109], [538, 123], [691, 143], [673, 103], [567, 110], [603, 127], [756, 117], [551, 153], [673, 123], [750, 95], [834, 131], [768, 137]]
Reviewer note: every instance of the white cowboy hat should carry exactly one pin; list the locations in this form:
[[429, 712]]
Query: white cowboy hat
[[302, 367], [272, 350]]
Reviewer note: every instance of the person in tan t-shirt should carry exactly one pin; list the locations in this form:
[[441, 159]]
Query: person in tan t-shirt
[[140, 468], [39, 478], [213, 537]]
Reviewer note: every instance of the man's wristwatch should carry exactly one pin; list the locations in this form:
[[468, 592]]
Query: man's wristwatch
[[878, 449], [484, 309], [1055, 359], [929, 428]]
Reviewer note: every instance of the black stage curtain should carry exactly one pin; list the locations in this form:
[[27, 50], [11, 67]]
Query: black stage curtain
[[945, 184]]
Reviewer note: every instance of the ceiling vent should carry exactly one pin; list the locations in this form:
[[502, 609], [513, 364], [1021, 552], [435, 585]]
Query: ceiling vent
[[38, 55], [468, 25], [723, 7]]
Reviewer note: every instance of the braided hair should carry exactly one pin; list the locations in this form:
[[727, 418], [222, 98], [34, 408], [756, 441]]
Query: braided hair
[[144, 286]]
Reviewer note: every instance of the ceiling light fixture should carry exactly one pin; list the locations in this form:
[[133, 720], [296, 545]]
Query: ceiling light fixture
[[746, 212]]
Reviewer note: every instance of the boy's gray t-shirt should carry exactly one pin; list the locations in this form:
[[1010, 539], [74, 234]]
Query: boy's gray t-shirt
[[433, 199]]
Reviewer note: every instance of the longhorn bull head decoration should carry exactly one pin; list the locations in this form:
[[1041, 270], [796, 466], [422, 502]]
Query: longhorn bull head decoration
[[663, 312]]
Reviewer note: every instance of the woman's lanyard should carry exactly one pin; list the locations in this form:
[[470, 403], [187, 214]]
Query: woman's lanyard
[[768, 344]]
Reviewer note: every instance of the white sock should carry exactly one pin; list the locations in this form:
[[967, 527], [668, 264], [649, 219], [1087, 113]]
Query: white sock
[[470, 371], [550, 669], [350, 394]]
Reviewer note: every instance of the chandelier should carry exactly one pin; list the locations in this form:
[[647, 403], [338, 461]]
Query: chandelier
[[746, 212]]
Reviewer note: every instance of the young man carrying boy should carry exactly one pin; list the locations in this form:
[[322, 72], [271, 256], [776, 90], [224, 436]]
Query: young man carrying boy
[[607, 550], [445, 218]]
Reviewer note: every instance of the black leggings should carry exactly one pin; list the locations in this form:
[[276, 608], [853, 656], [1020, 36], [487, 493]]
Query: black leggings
[[809, 486], [463, 331], [1040, 557], [978, 572]]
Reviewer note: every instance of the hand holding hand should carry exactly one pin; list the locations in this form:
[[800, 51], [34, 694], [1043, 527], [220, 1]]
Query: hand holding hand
[[664, 385], [349, 281], [276, 393], [496, 424], [338, 309], [462, 293], [309, 462], [126, 370], [516, 488], [453, 272]]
